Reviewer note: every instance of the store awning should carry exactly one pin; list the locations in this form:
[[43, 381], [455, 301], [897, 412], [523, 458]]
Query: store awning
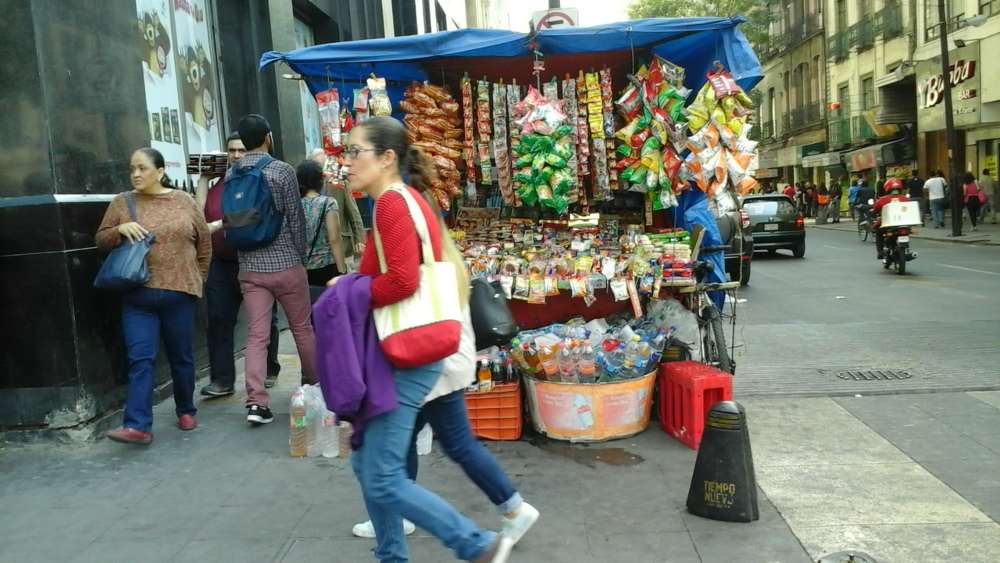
[[821, 160], [693, 43], [895, 152]]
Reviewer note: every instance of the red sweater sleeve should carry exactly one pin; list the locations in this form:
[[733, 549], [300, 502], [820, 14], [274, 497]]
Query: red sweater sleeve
[[402, 249]]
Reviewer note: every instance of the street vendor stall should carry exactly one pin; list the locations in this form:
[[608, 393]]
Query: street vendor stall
[[580, 169]]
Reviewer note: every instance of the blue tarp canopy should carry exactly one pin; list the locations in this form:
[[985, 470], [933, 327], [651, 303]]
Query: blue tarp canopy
[[693, 43]]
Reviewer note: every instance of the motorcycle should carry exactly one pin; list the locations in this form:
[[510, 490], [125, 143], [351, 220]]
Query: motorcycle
[[896, 245]]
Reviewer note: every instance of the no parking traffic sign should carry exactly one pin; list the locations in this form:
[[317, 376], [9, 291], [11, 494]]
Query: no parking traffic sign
[[554, 19]]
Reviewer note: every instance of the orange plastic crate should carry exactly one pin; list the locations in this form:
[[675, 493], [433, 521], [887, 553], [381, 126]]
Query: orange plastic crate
[[496, 414], [687, 391]]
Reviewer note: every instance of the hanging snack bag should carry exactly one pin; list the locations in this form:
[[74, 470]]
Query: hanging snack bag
[[379, 103]]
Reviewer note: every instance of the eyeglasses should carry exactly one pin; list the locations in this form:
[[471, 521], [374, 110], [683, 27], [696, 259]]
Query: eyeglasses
[[353, 152]]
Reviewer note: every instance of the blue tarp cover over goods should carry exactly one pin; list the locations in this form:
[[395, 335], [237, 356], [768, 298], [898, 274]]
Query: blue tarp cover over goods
[[695, 44]]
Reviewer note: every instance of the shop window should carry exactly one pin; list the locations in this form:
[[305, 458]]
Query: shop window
[[867, 93], [989, 7], [404, 17], [181, 77], [842, 16], [310, 111], [931, 21], [442, 19]]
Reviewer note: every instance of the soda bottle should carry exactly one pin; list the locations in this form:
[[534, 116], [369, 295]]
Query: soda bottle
[[567, 364], [547, 361], [510, 374], [587, 363], [297, 425], [496, 372], [484, 376]]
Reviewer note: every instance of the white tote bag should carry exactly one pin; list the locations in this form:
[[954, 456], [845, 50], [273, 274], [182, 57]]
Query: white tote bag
[[426, 326]]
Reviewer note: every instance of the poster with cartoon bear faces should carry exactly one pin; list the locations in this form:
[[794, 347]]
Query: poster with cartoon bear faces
[[156, 50], [197, 77]]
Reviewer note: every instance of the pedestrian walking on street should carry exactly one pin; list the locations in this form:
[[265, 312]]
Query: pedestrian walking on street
[[223, 296], [915, 190], [972, 198], [852, 198], [325, 248], [274, 272], [836, 193], [991, 188], [380, 155], [352, 228], [446, 413], [178, 263], [935, 188]]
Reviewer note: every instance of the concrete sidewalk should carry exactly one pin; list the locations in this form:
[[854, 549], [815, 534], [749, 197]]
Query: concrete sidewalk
[[988, 233], [906, 478]]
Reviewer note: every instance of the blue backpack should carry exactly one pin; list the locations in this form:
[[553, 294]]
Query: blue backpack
[[249, 216]]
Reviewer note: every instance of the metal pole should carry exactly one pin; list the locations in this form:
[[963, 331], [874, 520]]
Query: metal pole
[[957, 190], [553, 4]]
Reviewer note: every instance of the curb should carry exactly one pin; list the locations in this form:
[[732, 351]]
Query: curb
[[965, 239]]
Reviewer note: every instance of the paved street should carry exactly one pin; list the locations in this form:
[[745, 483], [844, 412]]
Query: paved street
[[872, 402]]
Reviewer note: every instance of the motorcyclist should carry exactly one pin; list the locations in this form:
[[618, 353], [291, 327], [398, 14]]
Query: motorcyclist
[[893, 192]]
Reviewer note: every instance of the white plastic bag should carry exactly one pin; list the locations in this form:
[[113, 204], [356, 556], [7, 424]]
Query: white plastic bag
[[322, 427], [671, 313]]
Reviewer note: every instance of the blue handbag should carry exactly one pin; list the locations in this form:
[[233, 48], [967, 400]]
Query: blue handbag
[[125, 267]]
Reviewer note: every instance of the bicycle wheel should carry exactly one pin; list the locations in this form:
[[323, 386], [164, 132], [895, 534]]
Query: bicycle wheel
[[863, 230], [714, 340]]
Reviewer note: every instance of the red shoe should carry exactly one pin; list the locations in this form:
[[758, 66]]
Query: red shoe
[[130, 436], [187, 422]]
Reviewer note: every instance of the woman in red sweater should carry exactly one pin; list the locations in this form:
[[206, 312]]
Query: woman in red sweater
[[379, 155]]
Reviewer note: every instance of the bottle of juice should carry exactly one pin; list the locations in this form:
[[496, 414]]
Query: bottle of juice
[[485, 376], [547, 361], [297, 427], [531, 359], [586, 363]]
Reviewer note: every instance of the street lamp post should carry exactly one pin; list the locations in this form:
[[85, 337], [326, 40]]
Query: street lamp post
[[957, 190]]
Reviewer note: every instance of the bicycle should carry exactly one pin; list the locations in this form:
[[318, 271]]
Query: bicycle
[[712, 336], [864, 222]]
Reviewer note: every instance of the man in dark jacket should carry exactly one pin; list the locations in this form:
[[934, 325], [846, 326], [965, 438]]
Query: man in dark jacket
[[836, 192], [915, 190]]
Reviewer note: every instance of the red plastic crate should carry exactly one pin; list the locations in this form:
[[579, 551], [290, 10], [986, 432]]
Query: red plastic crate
[[496, 414], [687, 391]]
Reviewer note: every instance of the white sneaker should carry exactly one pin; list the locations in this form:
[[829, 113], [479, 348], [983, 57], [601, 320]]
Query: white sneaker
[[515, 528], [367, 529]]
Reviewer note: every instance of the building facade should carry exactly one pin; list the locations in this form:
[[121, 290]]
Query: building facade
[[793, 93], [85, 85]]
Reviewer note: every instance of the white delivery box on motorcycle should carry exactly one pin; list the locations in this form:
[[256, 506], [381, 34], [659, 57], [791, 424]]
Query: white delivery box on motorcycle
[[900, 214]]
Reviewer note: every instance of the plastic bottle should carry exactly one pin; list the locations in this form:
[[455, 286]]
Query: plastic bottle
[[510, 372], [642, 360], [614, 362], [567, 364], [297, 441], [329, 435], [657, 346], [587, 363], [631, 357], [484, 376], [531, 359], [547, 361], [424, 439], [496, 370], [517, 352], [314, 425]]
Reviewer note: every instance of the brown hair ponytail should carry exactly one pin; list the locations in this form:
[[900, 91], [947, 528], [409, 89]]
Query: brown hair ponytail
[[420, 167]]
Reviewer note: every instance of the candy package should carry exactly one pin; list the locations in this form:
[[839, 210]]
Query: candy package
[[379, 104]]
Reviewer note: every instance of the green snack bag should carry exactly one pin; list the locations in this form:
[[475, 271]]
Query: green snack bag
[[652, 144], [624, 150], [543, 144], [525, 160], [562, 182], [555, 160], [523, 176], [520, 149], [564, 150], [544, 176], [529, 140], [537, 163], [657, 202], [639, 175], [625, 175], [562, 132], [644, 120], [528, 194]]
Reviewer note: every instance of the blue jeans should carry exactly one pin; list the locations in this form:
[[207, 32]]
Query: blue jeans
[[390, 496], [937, 211], [224, 297], [148, 314], [449, 419]]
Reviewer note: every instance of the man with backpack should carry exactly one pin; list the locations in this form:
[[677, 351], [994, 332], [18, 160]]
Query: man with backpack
[[222, 290], [264, 222]]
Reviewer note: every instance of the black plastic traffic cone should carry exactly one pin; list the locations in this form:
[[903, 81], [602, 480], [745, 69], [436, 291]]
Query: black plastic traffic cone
[[724, 486]]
